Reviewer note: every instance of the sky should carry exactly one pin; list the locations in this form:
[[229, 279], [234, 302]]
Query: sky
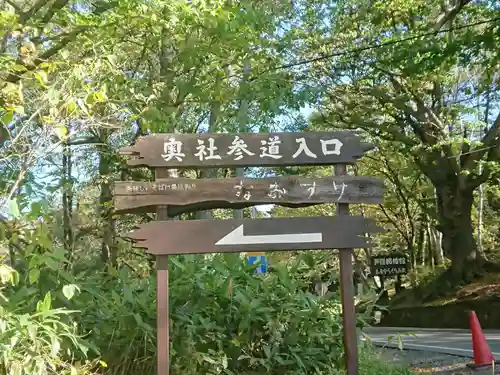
[[47, 176]]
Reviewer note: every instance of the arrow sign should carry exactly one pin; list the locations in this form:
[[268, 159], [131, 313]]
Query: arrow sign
[[236, 237], [213, 236]]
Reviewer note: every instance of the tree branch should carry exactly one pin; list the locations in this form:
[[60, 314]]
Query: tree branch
[[450, 13], [394, 223], [56, 6], [26, 16], [16, 7], [83, 141], [14, 78], [424, 114], [489, 141]]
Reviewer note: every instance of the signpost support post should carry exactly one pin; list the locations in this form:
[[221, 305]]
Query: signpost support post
[[162, 310], [347, 293]]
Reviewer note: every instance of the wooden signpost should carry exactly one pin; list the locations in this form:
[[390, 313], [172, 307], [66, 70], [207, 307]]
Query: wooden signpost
[[220, 236], [172, 196], [245, 150], [184, 195]]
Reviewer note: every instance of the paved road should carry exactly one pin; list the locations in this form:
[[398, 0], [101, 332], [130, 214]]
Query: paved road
[[448, 341]]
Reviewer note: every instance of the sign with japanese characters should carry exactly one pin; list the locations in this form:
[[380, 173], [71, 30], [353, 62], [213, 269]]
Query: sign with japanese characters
[[170, 197], [239, 235], [186, 195], [390, 265], [246, 149]]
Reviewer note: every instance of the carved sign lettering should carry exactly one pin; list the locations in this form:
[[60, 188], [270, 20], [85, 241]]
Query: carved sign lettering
[[246, 149], [185, 195]]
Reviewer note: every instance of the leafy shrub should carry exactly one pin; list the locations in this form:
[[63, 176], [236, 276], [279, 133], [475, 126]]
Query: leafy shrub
[[36, 341], [224, 320]]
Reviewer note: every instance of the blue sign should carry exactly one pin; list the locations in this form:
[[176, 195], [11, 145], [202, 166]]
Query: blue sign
[[260, 258]]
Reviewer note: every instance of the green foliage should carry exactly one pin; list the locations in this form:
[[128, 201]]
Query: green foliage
[[40, 339], [372, 363], [81, 81], [225, 319]]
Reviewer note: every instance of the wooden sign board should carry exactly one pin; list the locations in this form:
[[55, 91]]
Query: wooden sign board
[[185, 195], [245, 149], [390, 265], [218, 236]]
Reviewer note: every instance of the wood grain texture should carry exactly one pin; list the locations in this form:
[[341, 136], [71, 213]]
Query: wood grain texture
[[185, 195], [245, 149], [200, 236]]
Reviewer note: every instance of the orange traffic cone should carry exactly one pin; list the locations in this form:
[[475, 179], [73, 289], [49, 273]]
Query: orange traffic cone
[[482, 352]]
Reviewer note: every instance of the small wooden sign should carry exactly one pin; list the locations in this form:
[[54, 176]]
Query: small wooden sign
[[213, 236], [246, 149], [185, 195], [390, 265]]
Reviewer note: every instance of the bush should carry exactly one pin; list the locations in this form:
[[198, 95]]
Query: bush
[[36, 339], [224, 320]]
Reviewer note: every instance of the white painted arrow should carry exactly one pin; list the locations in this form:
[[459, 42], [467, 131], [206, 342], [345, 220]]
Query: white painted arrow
[[236, 237]]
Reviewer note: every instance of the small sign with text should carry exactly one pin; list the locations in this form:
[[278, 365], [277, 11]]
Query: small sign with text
[[389, 265]]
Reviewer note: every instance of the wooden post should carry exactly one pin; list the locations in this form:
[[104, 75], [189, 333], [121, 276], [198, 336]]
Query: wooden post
[[347, 294], [162, 314]]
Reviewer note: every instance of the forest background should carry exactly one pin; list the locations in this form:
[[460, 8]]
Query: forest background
[[80, 79]]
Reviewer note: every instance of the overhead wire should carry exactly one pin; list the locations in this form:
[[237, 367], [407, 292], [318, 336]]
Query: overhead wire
[[375, 46]]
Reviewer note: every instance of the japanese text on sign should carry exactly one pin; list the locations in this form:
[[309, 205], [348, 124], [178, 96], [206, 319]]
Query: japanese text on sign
[[275, 191], [159, 187], [390, 271], [389, 261], [270, 148], [390, 265]]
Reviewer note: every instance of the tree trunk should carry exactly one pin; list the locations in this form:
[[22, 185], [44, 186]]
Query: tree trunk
[[108, 249], [435, 244], [67, 200], [455, 223], [480, 206], [421, 244]]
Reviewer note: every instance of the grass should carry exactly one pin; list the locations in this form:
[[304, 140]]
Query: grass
[[372, 363]]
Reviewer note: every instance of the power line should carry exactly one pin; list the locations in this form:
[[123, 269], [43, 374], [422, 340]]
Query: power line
[[375, 46]]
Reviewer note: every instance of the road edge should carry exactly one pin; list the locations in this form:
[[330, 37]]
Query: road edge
[[407, 329], [466, 353]]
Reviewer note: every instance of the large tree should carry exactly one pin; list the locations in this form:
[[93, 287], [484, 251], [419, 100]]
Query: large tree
[[424, 75]]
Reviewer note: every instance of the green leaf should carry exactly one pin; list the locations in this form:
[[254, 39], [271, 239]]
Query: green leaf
[[7, 117], [18, 68], [41, 77], [112, 59], [14, 208], [69, 290], [45, 305], [34, 275], [176, 263], [6, 274], [55, 347]]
